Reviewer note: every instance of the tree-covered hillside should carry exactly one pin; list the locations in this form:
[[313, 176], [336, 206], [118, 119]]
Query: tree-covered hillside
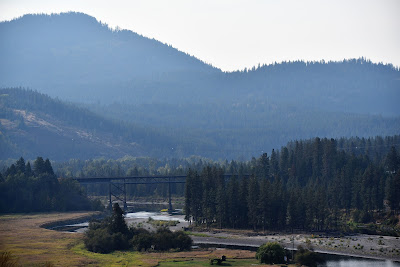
[[75, 57], [33, 124]]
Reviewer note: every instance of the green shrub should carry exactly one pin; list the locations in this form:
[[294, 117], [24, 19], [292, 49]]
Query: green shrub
[[307, 257], [99, 240], [271, 253], [113, 234], [142, 241], [182, 241]]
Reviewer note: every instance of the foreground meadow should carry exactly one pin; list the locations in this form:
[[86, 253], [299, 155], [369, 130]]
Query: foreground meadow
[[30, 244]]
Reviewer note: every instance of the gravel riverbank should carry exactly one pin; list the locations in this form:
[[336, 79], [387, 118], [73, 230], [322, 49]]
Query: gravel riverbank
[[365, 246]]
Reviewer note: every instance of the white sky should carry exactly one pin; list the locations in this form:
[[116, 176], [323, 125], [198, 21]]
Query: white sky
[[234, 34]]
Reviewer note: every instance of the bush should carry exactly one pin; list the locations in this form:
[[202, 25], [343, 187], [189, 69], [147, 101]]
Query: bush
[[142, 241], [163, 239], [183, 241], [307, 257], [99, 240], [271, 253], [112, 234]]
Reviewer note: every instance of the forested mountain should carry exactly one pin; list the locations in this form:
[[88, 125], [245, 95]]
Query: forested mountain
[[75, 57], [169, 103], [32, 124]]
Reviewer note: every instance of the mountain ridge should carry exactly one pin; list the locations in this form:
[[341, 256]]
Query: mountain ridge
[[76, 58], [179, 102]]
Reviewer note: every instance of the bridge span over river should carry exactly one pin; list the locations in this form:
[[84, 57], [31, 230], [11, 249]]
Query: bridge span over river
[[117, 185]]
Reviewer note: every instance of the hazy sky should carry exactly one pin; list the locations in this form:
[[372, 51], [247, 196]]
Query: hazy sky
[[233, 34]]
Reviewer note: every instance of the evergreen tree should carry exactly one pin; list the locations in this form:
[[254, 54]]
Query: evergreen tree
[[117, 223], [392, 160], [252, 202], [264, 203], [38, 166], [233, 202], [20, 165]]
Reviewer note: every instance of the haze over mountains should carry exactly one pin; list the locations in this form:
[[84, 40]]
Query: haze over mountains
[[190, 107]]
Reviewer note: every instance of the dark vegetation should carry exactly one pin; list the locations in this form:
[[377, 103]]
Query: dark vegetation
[[271, 253], [29, 121], [319, 185], [112, 233], [172, 104], [375, 149], [26, 188], [307, 257]]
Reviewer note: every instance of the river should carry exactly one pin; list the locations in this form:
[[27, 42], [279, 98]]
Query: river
[[358, 263], [231, 241]]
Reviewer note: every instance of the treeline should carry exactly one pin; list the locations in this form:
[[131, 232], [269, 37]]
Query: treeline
[[27, 188], [308, 185], [375, 149]]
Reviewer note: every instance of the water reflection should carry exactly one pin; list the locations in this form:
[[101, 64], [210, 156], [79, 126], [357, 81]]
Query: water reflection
[[359, 262]]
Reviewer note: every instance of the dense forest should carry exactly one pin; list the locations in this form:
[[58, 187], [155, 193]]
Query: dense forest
[[33, 188], [292, 164], [315, 184], [31, 121], [309, 185]]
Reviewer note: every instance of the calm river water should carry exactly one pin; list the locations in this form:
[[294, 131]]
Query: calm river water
[[359, 263]]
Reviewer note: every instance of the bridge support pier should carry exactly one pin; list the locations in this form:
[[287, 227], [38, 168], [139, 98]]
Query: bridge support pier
[[109, 197], [170, 209], [119, 194], [125, 205]]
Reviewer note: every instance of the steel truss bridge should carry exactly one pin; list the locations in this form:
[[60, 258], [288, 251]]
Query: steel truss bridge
[[117, 185]]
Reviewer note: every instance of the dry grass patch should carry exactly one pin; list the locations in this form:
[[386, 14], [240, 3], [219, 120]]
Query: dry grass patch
[[30, 244], [22, 236]]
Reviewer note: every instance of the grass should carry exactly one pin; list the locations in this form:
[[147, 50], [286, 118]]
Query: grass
[[204, 235], [197, 234], [168, 259], [22, 239], [161, 223], [22, 236], [117, 258]]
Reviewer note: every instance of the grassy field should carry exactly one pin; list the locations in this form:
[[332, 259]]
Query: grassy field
[[32, 245]]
